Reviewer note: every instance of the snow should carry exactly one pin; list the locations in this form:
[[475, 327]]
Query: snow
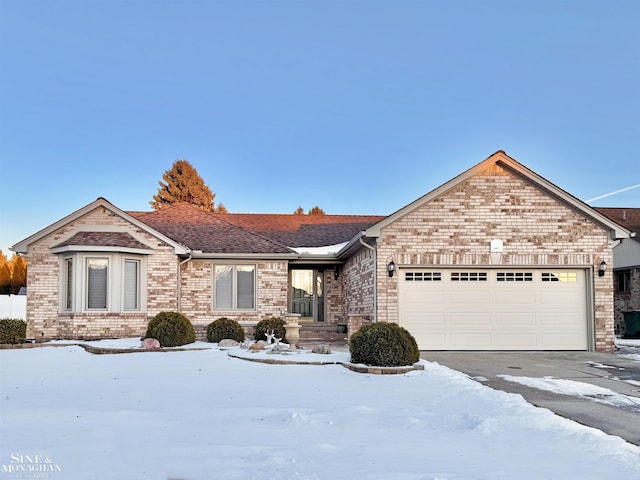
[[202, 414], [629, 348], [577, 389], [320, 250]]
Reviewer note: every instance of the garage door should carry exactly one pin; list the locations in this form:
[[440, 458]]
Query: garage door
[[456, 309]]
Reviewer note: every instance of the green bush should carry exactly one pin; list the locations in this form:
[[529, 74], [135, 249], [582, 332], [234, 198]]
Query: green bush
[[383, 344], [224, 328], [13, 330], [274, 323], [171, 329]]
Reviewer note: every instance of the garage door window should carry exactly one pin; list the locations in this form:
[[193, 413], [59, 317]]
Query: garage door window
[[468, 276], [571, 277], [423, 276], [514, 277]]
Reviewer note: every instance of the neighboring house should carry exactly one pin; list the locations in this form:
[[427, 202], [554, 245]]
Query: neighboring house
[[498, 258], [626, 265]]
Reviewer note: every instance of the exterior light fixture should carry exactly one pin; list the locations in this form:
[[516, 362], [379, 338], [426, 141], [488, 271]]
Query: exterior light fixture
[[336, 272], [602, 269], [391, 268]]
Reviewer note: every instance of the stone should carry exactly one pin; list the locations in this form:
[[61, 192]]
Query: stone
[[150, 344], [322, 349], [228, 343], [256, 347]]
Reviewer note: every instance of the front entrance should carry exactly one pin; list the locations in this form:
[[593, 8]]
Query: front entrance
[[307, 294]]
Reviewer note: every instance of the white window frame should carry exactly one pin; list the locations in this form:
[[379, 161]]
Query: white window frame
[[137, 263], [68, 282], [87, 277], [74, 282], [234, 288]]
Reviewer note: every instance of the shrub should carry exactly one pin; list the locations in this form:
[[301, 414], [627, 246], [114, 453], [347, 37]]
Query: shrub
[[171, 329], [274, 323], [13, 330], [383, 344], [224, 328]]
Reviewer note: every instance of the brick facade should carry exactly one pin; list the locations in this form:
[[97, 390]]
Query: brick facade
[[626, 301], [45, 316], [196, 293], [454, 228], [457, 227]]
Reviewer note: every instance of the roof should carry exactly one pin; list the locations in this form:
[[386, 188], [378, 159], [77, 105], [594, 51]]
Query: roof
[[207, 232], [500, 158], [627, 217], [298, 230], [103, 239]]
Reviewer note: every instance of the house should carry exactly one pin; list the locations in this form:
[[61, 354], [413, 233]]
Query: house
[[498, 258], [626, 265]]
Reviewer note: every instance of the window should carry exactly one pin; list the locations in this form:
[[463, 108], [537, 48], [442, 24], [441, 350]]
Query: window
[[468, 276], [423, 276], [234, 287], [97, 283], [109, 283], [131, 290], [514, 277], [68, 284], [571, 277], [623, 281]]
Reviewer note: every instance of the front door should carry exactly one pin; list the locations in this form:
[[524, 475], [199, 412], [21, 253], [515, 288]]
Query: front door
[[307, 294]]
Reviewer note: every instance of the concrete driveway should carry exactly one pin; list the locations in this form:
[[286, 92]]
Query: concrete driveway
[[617, 413]]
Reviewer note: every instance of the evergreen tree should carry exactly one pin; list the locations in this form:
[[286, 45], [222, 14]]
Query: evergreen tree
[[5, 275], [316, 211], [299, 211], [182, 183], [18, 266]]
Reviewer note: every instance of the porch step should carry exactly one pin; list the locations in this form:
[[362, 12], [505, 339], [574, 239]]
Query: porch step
[[321, 333]]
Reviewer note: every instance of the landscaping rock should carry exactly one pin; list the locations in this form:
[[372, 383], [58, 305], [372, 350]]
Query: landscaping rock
[[150, 344], [322, 349], [228, 343], [256, 347]]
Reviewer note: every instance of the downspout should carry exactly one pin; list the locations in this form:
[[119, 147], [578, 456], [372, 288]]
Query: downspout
[[178, 296], [375, 278]]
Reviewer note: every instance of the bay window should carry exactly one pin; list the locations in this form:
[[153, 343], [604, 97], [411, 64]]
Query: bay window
[[95, 282]]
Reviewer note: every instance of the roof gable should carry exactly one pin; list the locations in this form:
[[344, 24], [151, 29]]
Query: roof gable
[[504, 161], [22, 246]]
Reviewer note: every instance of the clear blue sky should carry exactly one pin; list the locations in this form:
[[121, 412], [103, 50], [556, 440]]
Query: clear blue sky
[[356, 106]]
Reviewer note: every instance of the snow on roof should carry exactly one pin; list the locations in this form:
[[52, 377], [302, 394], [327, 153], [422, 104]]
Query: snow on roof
[[326, 250]]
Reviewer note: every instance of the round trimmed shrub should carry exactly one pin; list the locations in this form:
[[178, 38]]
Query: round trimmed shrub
[[13, 331], [274, 323], [171, 329], [383, 344], [223, 328]]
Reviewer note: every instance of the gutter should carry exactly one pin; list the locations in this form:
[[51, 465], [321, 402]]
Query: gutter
[[179, 289], [375, 277]]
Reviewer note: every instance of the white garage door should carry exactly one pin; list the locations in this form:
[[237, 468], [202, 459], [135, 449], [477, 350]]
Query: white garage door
[[457, 309]]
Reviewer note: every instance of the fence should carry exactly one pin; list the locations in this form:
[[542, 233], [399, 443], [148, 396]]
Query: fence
[[13, 306]]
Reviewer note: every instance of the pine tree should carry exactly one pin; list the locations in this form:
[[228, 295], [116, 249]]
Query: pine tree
[[182, 183], [5, 275], [18, 266], [316, 211], [299, 211]]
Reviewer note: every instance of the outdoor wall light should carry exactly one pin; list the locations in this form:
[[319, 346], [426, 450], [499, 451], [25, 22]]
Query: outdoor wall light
[[391, 268], [602, 269], [336, 272]]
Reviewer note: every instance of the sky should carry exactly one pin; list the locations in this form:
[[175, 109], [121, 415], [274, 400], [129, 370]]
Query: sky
[[355, 106]]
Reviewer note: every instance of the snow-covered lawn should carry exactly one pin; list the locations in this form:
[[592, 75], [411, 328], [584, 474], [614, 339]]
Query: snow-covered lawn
[[190, 415]]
